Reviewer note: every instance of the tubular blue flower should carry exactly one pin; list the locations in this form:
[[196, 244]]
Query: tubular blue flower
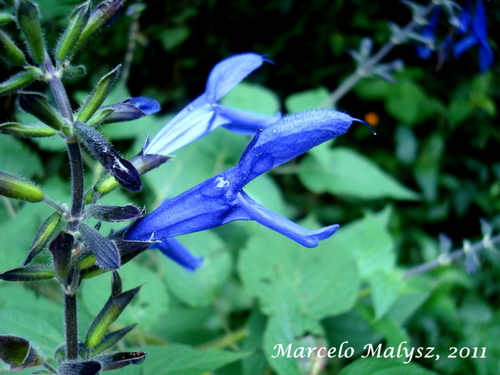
[[221, 199], [478, 35], [178, 253], [205, 114]]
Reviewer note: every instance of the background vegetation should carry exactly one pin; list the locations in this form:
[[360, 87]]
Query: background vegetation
[[432, 169]]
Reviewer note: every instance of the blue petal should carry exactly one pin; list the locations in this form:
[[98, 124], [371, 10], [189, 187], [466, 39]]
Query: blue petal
[[290, 137], [463, 45], [485, 57], [202, 207], [479, 22], [146, 105], [193, 122], [229, 72], [178, 253], [270, 219], [243, 122], [464, 18]]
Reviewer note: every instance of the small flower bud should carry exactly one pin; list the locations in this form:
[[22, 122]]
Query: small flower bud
[[98, 95], [77, 22], [61, 248], [28, 18], [28, 131], [109, 313], [37, 105], [6, 18], [14, 187], [28, 273], [10, 52], [119, 360], [103, 15], [18, 353], [43, 235], [15, 83]]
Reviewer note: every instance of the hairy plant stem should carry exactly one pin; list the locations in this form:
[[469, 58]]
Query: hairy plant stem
[[71, 326], [487, 243], [77, 184], [365, 68]]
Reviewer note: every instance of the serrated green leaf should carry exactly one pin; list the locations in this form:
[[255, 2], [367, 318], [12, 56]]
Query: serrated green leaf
[[345, 172], [253, 98], [18, 158], [181, 360], [201, 287], [386, 286], [369, 242], [317, 282], [307, 100], [383, 366]]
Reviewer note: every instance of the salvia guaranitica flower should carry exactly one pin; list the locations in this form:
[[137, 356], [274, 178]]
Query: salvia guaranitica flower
[[473, 25], [477, 35], [205, 114], [221, 199]]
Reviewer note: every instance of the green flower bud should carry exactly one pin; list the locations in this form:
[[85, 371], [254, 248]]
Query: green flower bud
[[18, 353], [28, 273], [14, 187], [15, 83], [37, 105], [109, 313], [43, 235], [29, 131], [74, 71], [98, 95], [6, 18], [77, 22], [104, 15], [10, 52], [28, 18]]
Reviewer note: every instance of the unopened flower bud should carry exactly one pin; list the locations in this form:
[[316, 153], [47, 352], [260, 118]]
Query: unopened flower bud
[[28, 18], [14, 187], [10, 52], [6, 18], [37, 105], [103, 15], [77, 22], [28, 131], [15, 83]]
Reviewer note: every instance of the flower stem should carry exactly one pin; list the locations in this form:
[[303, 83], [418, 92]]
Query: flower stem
[[447, 258], [75, 161], [365, 68], [71, 326]]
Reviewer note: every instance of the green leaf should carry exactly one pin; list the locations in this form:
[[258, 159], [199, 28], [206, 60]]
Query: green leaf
[[383, 366], [33, 327], [345, 172], [172, 37], [386, 287], [201, 287], [253, 98], [317, 282], [368, 241], [181, 360], [307, 100], [18, 158]]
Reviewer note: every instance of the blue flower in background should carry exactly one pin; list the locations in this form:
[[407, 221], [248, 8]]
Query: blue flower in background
[[471, 24], [205, 114], [221, 199], [477, 35]]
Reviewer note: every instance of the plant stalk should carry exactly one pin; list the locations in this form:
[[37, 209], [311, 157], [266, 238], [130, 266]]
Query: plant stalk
[[71, 326]]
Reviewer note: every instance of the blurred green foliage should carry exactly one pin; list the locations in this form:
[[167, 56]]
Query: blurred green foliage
[[432, 168]]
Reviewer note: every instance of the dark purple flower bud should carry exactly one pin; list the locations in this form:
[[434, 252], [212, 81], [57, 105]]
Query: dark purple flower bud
[[128, 110], [122, 170], [119, 360], [61, 248], [80, 368], [18, 353], [104, 249], [114, 213]]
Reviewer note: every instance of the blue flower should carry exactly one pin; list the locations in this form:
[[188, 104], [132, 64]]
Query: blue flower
[[128, 110], [424, 51], [178, 253], [478, 35], [221, 199], [204, 114]]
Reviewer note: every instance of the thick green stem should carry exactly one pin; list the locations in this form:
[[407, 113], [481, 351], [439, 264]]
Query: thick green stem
[[71, 326]]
